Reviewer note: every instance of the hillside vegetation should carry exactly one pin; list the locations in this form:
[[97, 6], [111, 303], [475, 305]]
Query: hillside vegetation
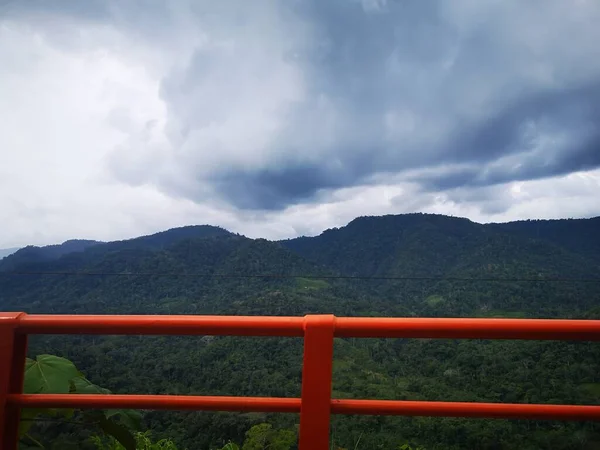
[[474, 270]]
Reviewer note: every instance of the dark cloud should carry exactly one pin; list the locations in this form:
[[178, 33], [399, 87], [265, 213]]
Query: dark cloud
[[272, 189], [510, 146], [272, 103], [514, 129], [368, 63]]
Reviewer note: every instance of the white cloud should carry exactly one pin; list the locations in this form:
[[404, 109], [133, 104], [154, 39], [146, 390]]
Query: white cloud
[[573, 195], [111, 128], [54, 135]]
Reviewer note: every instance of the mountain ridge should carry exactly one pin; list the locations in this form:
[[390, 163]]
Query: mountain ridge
[[550, 230], [208, 270], [4, 252], [384, 239]]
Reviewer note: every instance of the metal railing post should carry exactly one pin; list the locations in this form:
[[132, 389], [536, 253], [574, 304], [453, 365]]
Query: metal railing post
[[13, 349], [315, 408]]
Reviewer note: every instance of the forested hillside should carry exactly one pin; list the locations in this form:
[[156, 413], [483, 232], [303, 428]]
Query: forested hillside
[[417, 264]]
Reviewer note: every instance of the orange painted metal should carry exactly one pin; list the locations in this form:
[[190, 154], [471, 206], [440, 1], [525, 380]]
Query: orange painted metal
[[316, 382], [315, 406], [293, 405], [171, 402], [558, 329], [293, 326], [163, 325], [13, 349], [466, 409]]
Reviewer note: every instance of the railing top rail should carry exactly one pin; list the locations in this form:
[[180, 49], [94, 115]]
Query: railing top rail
[[468, 328], [293, 405], [367, 327], [162, 325]]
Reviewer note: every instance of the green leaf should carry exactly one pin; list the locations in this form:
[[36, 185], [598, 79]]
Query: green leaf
[[131, 418], [48, 374], [81, 385], [119, 432]]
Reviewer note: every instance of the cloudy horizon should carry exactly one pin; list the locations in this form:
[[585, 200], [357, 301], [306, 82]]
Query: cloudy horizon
[[283, 118]]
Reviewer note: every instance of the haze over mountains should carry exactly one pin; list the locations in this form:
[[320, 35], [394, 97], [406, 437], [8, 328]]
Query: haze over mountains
[[436, 266], [7, 251]]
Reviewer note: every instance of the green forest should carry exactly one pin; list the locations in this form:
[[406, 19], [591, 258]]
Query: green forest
[[415, 265]]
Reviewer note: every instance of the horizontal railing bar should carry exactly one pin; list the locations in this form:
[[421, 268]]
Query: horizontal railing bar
[[163, 325], [292, 405], [171, 402], [553, 329], [466, 409], [468, 328]]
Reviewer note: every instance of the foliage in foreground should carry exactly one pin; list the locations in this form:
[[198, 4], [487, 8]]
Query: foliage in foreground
[[49, 374]]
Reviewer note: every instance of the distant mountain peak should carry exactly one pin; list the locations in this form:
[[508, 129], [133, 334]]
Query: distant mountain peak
[[7, 251], [408, 217], [80, 241], [32, 253], [185, 232]]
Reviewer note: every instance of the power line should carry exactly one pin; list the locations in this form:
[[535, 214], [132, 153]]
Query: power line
[[310, 277]]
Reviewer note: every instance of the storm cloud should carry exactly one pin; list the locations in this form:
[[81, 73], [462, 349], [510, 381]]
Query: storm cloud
[[314, 96], [270, 108]]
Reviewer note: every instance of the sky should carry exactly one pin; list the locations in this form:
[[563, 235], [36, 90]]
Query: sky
[[283, 118]]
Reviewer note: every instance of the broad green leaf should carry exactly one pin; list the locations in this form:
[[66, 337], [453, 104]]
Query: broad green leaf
[[119, 432], [81, 385], [48, 374], [131, 418]]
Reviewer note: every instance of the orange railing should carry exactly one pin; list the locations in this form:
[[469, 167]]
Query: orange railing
[[315, 405]]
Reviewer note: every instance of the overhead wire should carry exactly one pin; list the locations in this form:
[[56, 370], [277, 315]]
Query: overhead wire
[[303, 276]]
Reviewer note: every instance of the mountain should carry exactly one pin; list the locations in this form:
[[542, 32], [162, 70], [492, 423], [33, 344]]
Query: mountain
[[7, 251], [164, 239], [578, 235], [33, 254], [33, 258], [396, 245], [431, 265], [187, 286]]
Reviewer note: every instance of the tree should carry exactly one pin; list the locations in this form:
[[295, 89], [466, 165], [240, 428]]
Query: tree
[[142, 440], [263, 436]]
